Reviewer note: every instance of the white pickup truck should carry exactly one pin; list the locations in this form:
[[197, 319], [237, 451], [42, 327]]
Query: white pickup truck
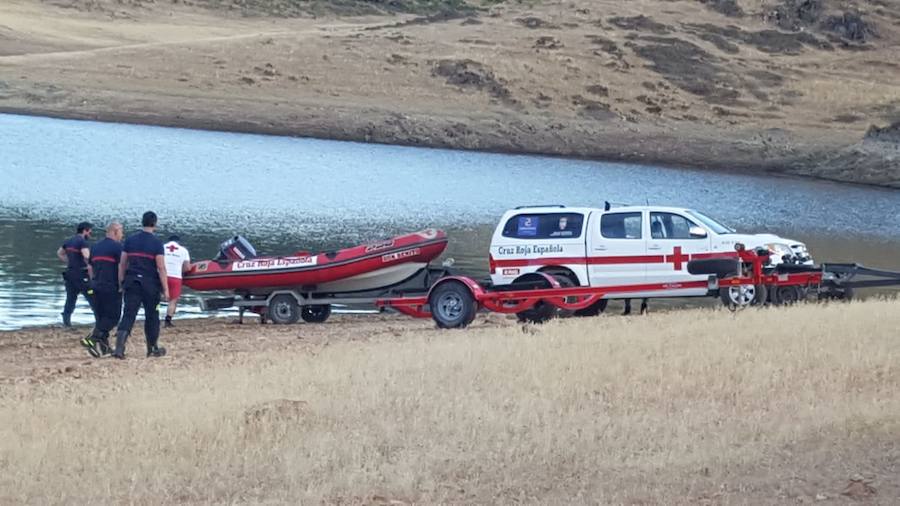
[[624, 246]]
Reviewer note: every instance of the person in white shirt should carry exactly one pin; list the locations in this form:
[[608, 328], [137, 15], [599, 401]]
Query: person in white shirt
[[178, 261]]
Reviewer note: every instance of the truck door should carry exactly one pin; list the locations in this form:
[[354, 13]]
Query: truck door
[[676, 238], [616, 249]]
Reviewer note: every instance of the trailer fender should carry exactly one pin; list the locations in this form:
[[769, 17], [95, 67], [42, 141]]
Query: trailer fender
[[473, 286]]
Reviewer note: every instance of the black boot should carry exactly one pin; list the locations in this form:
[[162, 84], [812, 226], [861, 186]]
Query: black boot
[[103, 344], [121, 337], [169, 323], [67, 319], [156, 351]]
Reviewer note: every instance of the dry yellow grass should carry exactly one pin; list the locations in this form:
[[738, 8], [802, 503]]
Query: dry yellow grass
[[699, 406]]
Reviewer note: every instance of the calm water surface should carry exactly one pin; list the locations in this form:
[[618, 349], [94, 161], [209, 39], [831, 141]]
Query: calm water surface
[[286, 194]]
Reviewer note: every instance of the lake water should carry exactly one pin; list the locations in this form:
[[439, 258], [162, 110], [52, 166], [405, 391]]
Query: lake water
[[286, 194]]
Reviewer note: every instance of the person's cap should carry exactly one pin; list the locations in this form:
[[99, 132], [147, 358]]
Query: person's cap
[[84, 225]]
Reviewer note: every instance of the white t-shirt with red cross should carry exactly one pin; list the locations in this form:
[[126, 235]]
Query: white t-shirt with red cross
[[176, 256]]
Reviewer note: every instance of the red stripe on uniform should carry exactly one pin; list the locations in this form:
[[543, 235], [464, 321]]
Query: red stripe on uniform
[[104, 259], [141, 255]]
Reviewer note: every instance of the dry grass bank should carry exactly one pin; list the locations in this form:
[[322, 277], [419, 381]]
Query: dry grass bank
[[761, 407]]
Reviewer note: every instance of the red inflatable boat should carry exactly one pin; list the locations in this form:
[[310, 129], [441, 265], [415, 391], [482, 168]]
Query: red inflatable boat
[[360, 268]]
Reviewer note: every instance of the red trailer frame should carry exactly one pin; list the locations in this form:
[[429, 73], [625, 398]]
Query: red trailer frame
[[749, 270]]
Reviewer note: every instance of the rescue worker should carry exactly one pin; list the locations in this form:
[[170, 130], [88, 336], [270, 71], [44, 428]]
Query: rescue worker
[[105, 256], [142, 275], [178, 261], [75, 254]]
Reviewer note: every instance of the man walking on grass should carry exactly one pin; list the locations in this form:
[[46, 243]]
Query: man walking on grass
[[142, 274], [105, 257], [178, 261]]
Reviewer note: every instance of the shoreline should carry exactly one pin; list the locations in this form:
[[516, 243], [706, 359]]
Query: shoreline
[[729, 159]]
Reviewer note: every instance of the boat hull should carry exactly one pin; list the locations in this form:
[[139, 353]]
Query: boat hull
[[359, 268]]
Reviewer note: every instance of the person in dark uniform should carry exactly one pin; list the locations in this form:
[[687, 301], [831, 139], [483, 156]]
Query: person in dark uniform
[[105, 256], [75, 253], [142, 274]]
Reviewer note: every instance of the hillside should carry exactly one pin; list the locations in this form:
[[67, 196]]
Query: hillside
[[790, 86]]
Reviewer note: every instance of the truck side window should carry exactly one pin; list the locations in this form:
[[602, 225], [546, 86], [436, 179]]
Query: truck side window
[[544, 226], [670, 226], [621, 225]]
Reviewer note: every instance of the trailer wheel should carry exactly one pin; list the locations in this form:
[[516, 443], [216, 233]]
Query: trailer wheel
[[283, 309], [742, 296], [452, 305], [315, 314], [845, 294]]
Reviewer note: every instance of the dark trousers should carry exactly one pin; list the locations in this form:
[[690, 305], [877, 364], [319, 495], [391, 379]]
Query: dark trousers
[[137, 294], [77, 282], [108, 310]]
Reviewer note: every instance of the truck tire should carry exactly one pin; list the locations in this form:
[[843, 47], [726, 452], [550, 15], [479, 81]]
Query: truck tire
[[452, 305], [283, 309], [565, 282], [541, 311], [787, 295], [594, 309], [752, 295], [315, 314]]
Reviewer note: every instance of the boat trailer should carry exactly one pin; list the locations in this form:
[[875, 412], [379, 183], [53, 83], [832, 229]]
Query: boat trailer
[[453, 301]]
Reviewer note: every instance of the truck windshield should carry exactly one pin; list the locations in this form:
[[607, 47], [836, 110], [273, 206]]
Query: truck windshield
[[714, 225]]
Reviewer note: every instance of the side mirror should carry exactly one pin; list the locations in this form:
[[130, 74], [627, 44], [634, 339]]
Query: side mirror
[[697, 232]]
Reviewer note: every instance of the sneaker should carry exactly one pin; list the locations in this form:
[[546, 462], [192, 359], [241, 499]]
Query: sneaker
[[91, 346], [119, 355], [156, 351]]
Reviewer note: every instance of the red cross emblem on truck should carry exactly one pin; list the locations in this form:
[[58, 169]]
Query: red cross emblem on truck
[[677, 258]]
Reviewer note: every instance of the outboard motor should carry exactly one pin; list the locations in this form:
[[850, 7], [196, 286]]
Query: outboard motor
[[236, 248]]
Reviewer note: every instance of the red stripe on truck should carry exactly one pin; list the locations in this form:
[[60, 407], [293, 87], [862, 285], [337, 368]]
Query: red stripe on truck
[[606, 260]]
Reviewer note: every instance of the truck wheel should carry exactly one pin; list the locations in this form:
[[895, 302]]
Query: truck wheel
[[315, 314], [594, 309], [452, 305], [565, 282], [743, 296], [541, 311], [787, 295], [283, 309]]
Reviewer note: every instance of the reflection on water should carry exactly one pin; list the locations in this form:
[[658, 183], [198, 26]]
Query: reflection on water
[[286, 194]]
